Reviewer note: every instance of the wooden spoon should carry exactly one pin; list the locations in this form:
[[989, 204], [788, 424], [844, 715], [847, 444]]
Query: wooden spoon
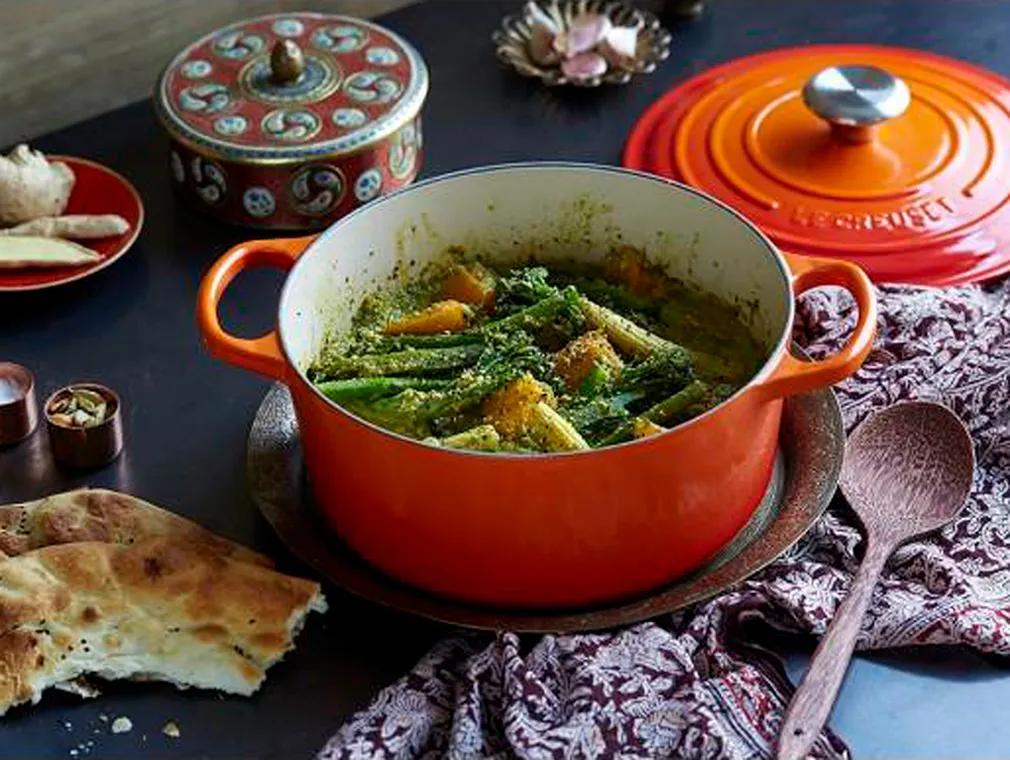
[[908, 470]]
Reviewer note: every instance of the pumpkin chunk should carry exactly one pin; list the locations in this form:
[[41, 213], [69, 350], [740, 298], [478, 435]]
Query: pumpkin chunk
[[441, 316]]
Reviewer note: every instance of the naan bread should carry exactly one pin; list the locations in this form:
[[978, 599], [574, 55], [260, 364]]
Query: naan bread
[[101, 515], [156, 609]]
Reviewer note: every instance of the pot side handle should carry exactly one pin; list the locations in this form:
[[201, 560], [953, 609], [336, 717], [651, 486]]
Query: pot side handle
[[262, 355], [793, 376]]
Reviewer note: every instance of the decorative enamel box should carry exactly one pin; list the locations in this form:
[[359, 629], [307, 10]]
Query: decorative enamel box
[[291, 121]]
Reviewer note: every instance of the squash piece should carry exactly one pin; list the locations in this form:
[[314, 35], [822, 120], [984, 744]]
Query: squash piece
[[509, 409], [471, 284], [525, 409], [575, 361], [643, 428], [440, 317]]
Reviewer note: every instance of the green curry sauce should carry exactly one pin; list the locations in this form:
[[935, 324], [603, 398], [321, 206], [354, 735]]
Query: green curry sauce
[[538, 359]]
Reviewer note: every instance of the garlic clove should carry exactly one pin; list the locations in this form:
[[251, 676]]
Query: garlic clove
[[586, 31], [543, 30], [620, 46], [584, 66], [537, 15]]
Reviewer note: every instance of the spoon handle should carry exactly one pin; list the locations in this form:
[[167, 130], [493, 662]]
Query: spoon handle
[[812, 703]]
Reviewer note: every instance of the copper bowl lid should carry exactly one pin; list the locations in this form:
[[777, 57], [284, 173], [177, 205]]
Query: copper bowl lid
[[288, 87]]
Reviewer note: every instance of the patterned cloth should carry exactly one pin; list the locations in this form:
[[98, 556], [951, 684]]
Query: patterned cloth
[[688, 685]]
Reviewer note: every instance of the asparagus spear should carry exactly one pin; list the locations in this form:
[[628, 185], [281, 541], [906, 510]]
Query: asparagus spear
[[622, 332], [596, 418], [560, 303], [408, 361], [661, 412], [659, 374], [499, 362], [678, 402], [521, 288], [551, 306], [367, 388], [597, 380], [438, 340]]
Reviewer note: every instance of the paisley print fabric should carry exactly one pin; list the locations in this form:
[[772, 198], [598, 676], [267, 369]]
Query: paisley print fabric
[[688, 685]]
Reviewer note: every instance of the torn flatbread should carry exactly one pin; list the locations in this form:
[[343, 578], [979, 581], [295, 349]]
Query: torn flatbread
[[96, 514], [156, 609]]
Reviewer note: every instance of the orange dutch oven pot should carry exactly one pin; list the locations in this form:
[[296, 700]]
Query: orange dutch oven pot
[[544, 530]]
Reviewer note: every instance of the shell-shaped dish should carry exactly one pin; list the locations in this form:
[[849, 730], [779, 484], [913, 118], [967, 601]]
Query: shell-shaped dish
[[513, 40]]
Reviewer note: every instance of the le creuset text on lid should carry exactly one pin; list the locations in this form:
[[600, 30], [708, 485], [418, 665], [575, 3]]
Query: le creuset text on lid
[[895, 159]]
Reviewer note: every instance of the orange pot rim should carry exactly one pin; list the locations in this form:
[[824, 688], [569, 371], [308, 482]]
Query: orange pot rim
[[766, 369]]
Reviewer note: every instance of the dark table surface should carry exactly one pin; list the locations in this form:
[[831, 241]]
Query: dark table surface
[[187, 416]]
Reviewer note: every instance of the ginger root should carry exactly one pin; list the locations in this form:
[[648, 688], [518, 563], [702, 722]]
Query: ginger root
[[31, 187], [16, 252], [74, 226]]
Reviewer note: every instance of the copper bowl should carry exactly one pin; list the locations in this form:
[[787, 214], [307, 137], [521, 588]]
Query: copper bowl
[[86, 447], [18, 415]]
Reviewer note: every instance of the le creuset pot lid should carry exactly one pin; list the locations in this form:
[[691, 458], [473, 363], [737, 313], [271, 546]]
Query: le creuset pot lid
[[894, 159], [289, 86]]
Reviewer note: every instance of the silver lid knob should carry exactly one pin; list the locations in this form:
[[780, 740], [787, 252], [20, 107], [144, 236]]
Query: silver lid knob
[[852, 99]]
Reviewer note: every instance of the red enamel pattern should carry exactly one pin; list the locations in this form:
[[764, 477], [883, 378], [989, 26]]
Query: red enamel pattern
[[238, 178], [226, 71], [295, 154]]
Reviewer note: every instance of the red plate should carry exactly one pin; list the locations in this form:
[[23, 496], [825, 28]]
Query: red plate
[[97, 190]]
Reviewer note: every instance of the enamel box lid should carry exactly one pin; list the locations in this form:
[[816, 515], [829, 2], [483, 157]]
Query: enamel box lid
[[291, 87], [895, 159]]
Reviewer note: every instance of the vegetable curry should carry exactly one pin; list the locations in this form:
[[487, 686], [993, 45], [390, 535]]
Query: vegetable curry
[[531, 359]]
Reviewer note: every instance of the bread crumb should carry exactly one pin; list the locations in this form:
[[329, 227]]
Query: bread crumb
[[122, 725], [171, 728]]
